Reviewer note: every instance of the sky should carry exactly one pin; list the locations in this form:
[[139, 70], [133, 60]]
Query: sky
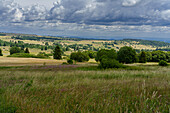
[[106, 19]]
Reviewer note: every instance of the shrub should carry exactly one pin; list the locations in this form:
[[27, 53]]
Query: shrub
[[70, 61], [110, 63], [127, 55], [163, 63]]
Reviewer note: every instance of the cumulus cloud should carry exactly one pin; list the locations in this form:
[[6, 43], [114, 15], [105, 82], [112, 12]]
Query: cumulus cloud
[[98, 12], [92, 15], [166, 14], [109, 12]]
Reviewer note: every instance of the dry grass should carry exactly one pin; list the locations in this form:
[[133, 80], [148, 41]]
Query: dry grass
[[9, 61]]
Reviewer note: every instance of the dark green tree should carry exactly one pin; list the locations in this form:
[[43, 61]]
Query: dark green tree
[[142, 57], [127, 55], [1, 52], [79, 56], [46, 48], [103, 53], [27, 51], [57, 53], [14, 50], [148, 56], [158, 55]]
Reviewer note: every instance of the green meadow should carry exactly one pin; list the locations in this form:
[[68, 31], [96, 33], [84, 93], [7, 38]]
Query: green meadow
[[83, 88]]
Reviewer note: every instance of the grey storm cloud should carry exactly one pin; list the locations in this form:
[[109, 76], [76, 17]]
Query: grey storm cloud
[[92, 12]]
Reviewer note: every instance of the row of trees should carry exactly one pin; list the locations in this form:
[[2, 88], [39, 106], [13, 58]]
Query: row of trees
[[25, 45], [124, 55]]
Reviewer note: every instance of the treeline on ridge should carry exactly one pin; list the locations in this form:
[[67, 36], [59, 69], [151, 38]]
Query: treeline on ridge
[[149, 42]]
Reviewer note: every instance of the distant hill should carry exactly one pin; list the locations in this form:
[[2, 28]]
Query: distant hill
[[39, 43], [148, 42]]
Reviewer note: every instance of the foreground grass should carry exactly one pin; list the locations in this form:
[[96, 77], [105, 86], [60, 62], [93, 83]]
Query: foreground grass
[[84, 89]]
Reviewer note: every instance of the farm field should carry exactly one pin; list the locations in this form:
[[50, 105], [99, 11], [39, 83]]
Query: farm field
[[83, 88], [11, 61]]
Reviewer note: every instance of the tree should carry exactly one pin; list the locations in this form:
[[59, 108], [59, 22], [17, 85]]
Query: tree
[[26, 50], [79, 56], [158, 55], [127, 55], [103, 53], [148, 56], [57, 52], [1, 52], [142, 57], [14, 50], [90, 53], [46, 47]]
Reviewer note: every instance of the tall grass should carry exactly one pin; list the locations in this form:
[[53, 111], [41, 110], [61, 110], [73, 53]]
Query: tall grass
[[85, 90]]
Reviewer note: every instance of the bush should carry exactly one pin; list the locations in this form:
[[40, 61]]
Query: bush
[[70, 61], [110, 63], [163, 63]]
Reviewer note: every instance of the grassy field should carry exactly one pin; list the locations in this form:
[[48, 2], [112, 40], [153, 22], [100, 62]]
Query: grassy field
[[84, 89]]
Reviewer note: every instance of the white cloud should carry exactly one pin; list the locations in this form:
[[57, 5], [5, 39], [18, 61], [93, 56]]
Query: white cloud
[[130, 2], [166, 14]]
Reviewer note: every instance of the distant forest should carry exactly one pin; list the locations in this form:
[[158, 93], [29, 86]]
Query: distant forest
[[149, 42]]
